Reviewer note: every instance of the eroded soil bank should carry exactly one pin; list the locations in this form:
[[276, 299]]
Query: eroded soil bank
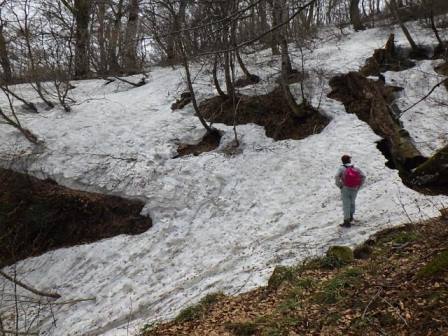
[[270, 111], [39, 215], [209, 142]]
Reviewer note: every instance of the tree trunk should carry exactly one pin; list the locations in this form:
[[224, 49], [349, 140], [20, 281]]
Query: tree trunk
[[228, 77], [434, 172], [263, 25], [393, 7], [291, 101], [114, 65], [276, 19], [101, 38], [176, 24], [286, 61], [355, 15], [436, 33], [309, 17], [366, 98], [130, 48], [215, 78], [190, 87], [82, 18], [4, 58]]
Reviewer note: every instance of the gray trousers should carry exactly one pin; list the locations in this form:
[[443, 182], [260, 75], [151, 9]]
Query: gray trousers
[[348, 201]]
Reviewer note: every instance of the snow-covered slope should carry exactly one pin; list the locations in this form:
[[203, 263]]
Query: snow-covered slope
[[221, 222]]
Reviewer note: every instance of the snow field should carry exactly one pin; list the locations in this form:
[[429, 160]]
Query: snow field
[[221, 223]]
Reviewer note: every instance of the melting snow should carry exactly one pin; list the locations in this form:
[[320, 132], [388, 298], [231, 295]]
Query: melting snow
[[221, 222]]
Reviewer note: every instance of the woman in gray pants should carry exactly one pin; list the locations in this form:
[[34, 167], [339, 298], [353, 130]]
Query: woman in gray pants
[[349, 179]]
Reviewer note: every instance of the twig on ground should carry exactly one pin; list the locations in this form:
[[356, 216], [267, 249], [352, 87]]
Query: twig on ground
[[378, 293], [29, 288], [395, 308], [13, 332]]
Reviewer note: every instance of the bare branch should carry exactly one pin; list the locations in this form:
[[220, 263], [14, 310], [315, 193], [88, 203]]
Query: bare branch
[[29, 288], [426, 96]]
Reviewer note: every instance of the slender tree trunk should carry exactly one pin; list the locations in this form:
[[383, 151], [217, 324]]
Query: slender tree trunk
[[286, 61], [309, 17], [276, 15], [263, 20], [101, 38], [215, 78], [114, 65], [393, 7], [177, 22], [434, 29], [130, 48], [243, 66], [228, 77], [190, 87], [4, 58], [295, 108], [82, 18]]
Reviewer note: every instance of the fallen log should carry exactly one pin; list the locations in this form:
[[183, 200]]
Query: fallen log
[[370, 100], [433, 172]]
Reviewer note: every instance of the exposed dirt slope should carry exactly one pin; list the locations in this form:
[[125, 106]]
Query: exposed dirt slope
[[270, 111], [37, 216]]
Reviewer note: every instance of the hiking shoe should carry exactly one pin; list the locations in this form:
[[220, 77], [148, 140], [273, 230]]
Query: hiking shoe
[[346, 223]]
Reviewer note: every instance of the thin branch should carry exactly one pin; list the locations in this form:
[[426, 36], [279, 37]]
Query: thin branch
[[371, 301], [29, 288], [399, 315], [30, 105], [231, 18], [243, 44], [426, 96]]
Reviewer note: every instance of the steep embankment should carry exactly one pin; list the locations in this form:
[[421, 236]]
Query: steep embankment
[[39, 215], [394, 284]]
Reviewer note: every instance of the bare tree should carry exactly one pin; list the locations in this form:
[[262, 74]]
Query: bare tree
[[392, 4], [23, 24], [355, 15], [4, 56], [130, 45], [80, 10]]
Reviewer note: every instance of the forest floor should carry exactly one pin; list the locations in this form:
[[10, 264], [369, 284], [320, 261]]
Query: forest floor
[[396, 283]]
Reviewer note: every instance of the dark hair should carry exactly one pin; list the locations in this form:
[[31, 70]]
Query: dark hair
[[346, 159]]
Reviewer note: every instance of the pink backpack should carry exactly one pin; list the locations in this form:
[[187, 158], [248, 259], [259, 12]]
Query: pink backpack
[[351, 177]]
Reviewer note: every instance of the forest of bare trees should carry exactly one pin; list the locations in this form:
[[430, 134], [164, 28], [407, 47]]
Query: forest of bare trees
[[48, 43], [41, 40]]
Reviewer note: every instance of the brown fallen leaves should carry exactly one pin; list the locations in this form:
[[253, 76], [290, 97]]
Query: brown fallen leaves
[[387, 294]]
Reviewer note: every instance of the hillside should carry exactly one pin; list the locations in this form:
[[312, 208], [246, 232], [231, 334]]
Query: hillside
[[225, 219], [396, 285]]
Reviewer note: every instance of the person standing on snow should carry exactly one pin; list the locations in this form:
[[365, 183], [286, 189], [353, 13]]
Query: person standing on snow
[[349, 179]]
